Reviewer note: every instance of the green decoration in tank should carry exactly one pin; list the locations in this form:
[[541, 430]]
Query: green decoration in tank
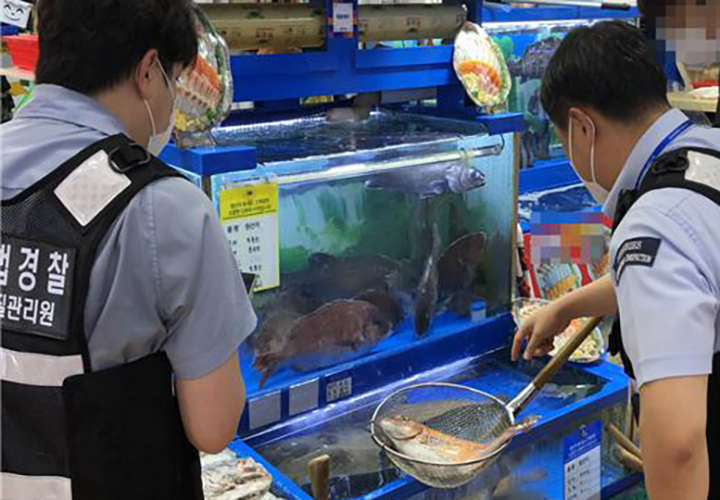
[[507, 46], [332, 205], [386, 218], [294, 259]]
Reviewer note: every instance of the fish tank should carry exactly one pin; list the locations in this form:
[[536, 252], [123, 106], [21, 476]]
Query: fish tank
[[533, 466], [390, 231], [573, 198], [528, 48], [394, 240]]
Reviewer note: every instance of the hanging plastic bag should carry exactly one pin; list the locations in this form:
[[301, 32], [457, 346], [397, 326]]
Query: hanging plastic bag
[[481, 67], [205, 91]]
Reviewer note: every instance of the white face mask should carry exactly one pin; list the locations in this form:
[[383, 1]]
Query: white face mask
[[157, 141], [596, 190]]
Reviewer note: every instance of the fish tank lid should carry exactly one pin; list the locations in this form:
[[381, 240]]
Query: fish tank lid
[[312, 142]]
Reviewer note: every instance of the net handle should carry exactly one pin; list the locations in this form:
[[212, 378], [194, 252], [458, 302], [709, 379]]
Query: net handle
[[557, 362], [554, 366]]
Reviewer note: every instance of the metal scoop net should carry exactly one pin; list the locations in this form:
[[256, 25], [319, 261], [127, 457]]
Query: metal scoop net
[[444, 435], [475, 419]]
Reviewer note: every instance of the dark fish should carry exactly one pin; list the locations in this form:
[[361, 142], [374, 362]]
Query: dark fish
[[427, 293], [430, 180], [331, 278], [335, 332], [458, 265], [535, 59], [278, 307], [274, 332], [390, 308]]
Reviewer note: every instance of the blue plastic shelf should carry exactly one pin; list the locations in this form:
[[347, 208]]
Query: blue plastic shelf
[[546, 175], [342, 68], [504, 14]]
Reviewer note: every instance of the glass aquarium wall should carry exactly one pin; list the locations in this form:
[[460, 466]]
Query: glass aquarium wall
[[528, 48], [391, 230]]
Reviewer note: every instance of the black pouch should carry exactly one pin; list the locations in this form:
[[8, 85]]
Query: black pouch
[[125, 435]]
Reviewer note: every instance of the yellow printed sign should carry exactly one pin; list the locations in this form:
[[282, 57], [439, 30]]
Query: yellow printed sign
[[249, 217], [248, 201]]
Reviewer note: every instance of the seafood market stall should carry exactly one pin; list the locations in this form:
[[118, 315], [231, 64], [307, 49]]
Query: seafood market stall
[[383, 254], [366, 213]]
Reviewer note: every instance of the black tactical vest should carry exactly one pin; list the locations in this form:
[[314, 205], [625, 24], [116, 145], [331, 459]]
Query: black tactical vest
[[69, 432], [669, 172]]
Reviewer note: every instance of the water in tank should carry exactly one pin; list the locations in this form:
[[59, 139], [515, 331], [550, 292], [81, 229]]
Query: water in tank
[[392, 229], [528, 48]]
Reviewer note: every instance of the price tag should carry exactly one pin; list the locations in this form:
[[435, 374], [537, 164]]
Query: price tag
[[249, 216], [343, 18], [15, 13], [582, 463]]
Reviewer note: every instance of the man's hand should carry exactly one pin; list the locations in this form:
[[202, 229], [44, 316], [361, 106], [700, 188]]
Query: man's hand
[[595, 299], [673, 419], [211, 406], [539, 330]]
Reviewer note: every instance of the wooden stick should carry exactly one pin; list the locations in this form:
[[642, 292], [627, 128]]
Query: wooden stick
[[628, 459], [623, 441], [320, 477], [685, 75]]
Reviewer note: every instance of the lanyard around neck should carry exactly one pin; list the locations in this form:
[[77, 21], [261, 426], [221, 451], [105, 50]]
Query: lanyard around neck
[[661, 147]]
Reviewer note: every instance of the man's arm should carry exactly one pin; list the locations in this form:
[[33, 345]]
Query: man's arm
[[674, 444], [211, 406], [206, 310], [594, 299]]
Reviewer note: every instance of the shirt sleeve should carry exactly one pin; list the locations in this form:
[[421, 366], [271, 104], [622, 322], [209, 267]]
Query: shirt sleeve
[[667, 306], [201, 295]]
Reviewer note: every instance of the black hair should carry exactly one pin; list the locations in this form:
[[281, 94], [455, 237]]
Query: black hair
[[609, 67], [91, 45]]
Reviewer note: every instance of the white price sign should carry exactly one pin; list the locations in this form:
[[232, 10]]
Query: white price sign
[[343, 18], [582, 463], [15, 13], [250, 218]]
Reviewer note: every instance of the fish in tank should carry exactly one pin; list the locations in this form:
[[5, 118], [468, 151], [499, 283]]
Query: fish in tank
[[358, 466], [339, 307], [528, 48], [381, 222]]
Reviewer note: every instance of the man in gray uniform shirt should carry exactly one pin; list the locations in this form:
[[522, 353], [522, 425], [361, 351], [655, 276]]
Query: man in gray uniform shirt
[[114, 272]]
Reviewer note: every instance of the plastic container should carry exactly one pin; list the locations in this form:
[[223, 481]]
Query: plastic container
[[705, 84], [24, 50]]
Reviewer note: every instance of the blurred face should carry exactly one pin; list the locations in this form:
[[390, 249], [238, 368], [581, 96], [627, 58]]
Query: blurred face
[[691, 31]]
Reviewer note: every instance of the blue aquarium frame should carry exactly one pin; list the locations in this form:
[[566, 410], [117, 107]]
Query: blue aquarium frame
[[377, 371]]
